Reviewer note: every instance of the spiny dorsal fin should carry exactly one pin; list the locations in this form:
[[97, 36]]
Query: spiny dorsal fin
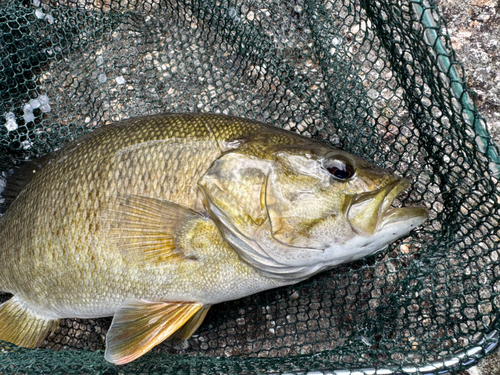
[[145, 229], [22, 327], [141, 325], [20, 178]]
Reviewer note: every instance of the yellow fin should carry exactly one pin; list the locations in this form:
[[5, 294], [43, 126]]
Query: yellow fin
[[187, 330], [21, 327], [141, 325], [145, 229], [180, 337]]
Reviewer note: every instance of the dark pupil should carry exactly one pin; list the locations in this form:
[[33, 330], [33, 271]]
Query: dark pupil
[[341, 170]]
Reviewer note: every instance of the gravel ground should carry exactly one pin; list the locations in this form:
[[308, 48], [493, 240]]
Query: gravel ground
[[474, 28]]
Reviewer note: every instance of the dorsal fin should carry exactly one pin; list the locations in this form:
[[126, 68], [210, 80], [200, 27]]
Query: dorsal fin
[[21, 176]]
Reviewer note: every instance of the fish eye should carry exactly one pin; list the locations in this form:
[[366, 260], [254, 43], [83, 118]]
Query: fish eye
[[339, 168]]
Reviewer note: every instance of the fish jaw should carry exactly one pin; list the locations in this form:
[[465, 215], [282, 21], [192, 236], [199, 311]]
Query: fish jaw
[[396, 223], [261, 253], [379, 221], [365, 212], [375, 223]]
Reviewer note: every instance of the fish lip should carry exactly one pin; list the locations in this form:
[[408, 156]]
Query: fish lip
[[395, 215], [369, 212], [389, 215], [397, 188]]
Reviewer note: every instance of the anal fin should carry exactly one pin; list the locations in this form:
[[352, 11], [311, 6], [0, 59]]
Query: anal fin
[[22, 327], [141, 325]]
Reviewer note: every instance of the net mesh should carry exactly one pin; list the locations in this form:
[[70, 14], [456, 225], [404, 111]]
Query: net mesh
[[377, 78]]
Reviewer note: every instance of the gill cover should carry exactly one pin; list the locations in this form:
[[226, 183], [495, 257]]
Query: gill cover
[[235, 195], [278, 213]]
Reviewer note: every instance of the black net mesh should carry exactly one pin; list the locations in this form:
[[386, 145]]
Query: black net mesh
[[377, 78]]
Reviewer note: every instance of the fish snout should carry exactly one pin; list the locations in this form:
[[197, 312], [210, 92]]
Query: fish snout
[[366, 211]]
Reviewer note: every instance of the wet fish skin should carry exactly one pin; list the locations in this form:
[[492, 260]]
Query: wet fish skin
[[60, 208], [162, 216]]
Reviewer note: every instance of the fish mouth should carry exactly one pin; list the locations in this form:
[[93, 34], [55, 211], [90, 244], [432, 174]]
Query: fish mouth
[[371, 212]]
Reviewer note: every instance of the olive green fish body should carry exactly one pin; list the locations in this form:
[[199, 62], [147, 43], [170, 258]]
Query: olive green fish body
[[54, 229], [156, 218]]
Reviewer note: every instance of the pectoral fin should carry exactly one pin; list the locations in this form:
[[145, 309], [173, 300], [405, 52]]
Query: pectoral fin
[[145, 229], [23, 327], [141, 325]]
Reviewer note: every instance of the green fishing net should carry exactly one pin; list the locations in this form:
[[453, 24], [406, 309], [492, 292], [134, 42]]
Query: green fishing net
[[376, 77]]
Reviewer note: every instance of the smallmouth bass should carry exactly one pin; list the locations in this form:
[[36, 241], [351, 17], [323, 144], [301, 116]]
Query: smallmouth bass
[[154, 219]]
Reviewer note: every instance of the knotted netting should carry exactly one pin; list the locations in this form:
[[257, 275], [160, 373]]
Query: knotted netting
[[376, 78]]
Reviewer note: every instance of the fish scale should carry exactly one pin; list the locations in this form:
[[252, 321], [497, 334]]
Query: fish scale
[[163, 216]]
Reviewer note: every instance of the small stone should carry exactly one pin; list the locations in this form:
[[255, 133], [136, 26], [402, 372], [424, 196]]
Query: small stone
[[35, 103], [39, 14], [27, 144], [11, 123], [405, 249], [336, 41]]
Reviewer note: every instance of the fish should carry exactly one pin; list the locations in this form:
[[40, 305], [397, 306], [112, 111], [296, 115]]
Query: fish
[[154, 219]]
